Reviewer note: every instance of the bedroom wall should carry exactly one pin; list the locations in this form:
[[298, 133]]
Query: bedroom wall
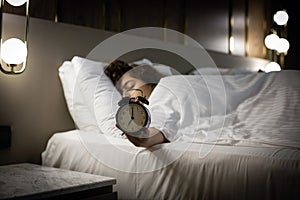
[[33, 103], [211, 23]]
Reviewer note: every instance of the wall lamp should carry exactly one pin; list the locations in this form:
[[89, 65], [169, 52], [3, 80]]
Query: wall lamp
[[276, 41], [13, 52]]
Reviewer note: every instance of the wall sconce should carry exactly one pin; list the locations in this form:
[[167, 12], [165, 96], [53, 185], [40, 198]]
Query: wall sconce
[[277, 42], [272, 66], [13, 52], [281, 17]]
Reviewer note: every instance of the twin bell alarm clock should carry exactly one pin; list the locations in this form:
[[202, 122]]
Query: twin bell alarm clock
[[132, 116]]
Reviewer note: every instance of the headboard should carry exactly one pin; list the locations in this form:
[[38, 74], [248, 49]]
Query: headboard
[[182, 65], [33, 103], [183, 56]]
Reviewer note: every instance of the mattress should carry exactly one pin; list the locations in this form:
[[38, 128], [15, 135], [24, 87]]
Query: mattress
[[180, 170]]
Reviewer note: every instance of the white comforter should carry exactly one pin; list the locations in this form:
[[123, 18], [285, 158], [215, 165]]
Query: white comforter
[[242, 109]]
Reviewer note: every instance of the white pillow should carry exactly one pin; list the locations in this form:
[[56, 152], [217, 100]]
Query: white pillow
[[219, 71], [99, 94], [77, 107], [143, 61], [105, 105], [67, 77], [163, 69]]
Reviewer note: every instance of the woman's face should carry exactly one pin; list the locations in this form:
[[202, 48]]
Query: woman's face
[[132, 87]]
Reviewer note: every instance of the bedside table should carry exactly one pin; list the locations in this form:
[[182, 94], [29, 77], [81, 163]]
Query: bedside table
[[31, 181]]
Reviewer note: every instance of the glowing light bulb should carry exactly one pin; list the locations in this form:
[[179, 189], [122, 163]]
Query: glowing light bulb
[[271, 41], [281, 17], [13, 51], [16, 2], [283, 45], [231, 44], [272, 66]]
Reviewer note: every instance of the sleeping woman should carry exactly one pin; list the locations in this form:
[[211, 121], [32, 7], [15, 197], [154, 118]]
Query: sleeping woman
[[213, 109], [129, 80]]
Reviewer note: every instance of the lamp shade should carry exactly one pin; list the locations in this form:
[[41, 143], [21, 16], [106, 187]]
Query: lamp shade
[[281, 17], [271, 41], [272, 66], [16, 2], [13, 51]]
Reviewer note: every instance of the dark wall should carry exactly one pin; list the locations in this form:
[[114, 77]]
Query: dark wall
[[211, 23], [292, 58], [208, 22]]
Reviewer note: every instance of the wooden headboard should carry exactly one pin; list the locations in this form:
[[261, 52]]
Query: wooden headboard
[[33, 103]]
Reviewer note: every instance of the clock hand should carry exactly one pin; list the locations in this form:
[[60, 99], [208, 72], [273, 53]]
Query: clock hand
[[132, 113], [129, 122], [131, 118]]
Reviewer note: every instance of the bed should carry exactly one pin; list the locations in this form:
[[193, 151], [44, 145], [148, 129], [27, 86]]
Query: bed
[[241, 142]]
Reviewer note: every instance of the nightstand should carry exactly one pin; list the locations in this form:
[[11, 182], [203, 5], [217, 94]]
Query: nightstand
[[31, 181]]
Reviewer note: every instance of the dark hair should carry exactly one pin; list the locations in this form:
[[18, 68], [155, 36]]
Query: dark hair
[[116, 69], [146, 73]]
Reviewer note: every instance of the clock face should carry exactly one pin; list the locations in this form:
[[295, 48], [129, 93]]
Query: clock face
[[132, 117]]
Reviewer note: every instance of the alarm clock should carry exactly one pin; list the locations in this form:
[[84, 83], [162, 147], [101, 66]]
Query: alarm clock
[[132, 116]]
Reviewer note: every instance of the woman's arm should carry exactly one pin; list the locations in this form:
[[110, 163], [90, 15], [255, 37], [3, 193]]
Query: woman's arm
[[150, 137]]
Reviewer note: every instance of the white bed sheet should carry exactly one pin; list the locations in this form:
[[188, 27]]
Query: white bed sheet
[[180, 170]]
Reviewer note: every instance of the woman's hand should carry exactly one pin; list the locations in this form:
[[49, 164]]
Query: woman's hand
[[147, 138]]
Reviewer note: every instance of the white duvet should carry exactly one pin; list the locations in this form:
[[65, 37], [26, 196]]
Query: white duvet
[[242, 109]]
